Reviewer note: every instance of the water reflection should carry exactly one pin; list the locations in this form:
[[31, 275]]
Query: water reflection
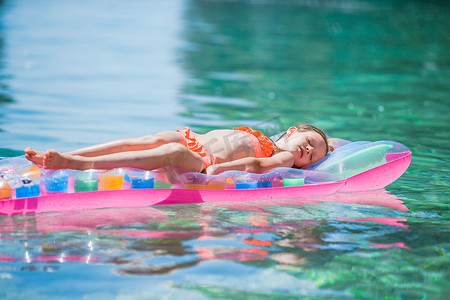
[[164, 239]]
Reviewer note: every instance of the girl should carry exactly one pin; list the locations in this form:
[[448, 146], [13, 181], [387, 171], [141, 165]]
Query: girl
[[217, 151]]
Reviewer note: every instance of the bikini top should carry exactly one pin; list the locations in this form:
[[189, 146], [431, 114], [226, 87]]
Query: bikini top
[[266, 143]]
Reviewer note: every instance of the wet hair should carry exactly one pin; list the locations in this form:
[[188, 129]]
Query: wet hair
[[305, 128]]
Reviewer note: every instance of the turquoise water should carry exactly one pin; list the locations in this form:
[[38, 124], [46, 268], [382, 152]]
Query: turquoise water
[[73, 73]]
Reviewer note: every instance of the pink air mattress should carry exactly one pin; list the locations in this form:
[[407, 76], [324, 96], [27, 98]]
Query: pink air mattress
[[352, 167]]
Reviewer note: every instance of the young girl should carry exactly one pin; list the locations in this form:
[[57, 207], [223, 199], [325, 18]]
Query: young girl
[[217, 151]]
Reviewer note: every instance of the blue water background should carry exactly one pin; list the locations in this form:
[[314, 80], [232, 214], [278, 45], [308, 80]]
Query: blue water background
[[74, 73]]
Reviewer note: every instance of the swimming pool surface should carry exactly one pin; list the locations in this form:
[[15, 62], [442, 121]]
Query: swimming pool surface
[[74, 73]]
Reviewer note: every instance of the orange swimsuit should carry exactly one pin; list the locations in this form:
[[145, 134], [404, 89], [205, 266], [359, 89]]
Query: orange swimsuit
[[262, 144], [193, 145]]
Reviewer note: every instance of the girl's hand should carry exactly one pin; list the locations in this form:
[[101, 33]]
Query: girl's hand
[[212, 170]]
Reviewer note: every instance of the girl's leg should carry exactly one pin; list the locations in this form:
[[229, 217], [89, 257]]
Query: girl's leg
[[172, 154], [123, 145], [131, 144]]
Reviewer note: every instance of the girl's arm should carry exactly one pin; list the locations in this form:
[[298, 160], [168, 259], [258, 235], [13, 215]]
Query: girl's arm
[[253, 164]]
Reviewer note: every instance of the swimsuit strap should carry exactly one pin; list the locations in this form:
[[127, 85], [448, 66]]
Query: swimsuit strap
[[266, 143]]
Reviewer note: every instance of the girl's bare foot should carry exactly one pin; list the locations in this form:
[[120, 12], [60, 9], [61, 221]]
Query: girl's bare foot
[[35, 156], [56, 160]]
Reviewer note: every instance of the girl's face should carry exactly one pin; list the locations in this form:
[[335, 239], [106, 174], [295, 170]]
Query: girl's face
[[307, 147]]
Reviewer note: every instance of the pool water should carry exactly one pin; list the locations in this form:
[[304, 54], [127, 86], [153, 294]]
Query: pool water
[[74, 73]]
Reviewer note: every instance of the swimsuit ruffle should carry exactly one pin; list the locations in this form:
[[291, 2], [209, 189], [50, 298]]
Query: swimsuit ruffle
[[193, 145], [266, 144]]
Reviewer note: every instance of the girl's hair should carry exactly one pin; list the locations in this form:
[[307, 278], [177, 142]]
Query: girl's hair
[[304, 128]]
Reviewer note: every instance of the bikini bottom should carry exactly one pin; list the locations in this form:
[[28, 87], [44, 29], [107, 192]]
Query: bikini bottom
[[193, 145]]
